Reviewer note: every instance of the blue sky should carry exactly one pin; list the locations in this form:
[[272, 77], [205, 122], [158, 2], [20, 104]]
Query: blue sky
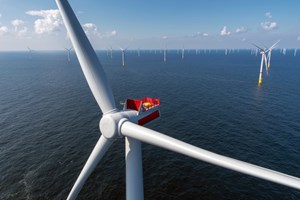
[[152, 24]]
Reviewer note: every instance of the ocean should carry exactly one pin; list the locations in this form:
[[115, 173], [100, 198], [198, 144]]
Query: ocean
[[49, 123]]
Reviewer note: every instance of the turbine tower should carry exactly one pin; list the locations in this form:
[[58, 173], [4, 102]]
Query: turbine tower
[[182, 53], [116, 124], [123, 56]]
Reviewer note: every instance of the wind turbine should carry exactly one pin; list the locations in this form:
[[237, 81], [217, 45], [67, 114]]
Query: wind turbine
[[138, 52], [69, 51], [284, 51], [123, 56], [116, 124], [165, 49], [263, 61], [182, 53], [165, 54], [270, 52], [30, 53]]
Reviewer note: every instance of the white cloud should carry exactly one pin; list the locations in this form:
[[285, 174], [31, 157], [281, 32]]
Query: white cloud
[[268, 26], [0, 15], [91, 29], [23, 31], [3, 30], [224, 31], [113, 33], [198, 34], [241, 30], [298, 38], [165, 37], [49, 22], [268, 15], [109, 34], [16, 23]]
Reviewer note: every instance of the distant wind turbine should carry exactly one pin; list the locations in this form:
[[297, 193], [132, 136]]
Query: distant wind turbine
[[69, 51], [111, 52], [295, 51], [123, 56], [165, 49], [182, 53], [165, 55], [284, 51], [30, 53]]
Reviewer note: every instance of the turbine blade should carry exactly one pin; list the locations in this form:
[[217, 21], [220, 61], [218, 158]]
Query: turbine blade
[[149, 136], [274, 45], [98, 152], [87, 57], [258, 47]]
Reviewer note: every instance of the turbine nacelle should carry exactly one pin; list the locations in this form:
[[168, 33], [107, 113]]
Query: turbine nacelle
[[141, 111]]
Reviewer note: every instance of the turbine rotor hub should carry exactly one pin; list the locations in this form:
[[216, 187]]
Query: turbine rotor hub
[[110, 123]]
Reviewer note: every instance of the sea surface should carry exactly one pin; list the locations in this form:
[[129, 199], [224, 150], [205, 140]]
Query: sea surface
[[49, 123]]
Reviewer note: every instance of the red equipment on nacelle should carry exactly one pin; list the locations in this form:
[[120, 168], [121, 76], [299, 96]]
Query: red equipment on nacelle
[[148, 109]]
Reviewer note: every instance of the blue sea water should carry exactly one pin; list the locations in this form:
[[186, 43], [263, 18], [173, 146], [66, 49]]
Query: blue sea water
[[49, 124]]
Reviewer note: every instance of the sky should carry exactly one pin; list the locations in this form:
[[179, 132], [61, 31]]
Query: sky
[[152, 24]]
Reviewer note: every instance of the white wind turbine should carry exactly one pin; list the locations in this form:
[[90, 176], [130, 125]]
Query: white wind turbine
[[123, 56], [182, 53], [69, 52], [30, 53], [111, 52], [138, 52], [116, 124], [270, 52], [165, 49], [165, 54], [263, 60]]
